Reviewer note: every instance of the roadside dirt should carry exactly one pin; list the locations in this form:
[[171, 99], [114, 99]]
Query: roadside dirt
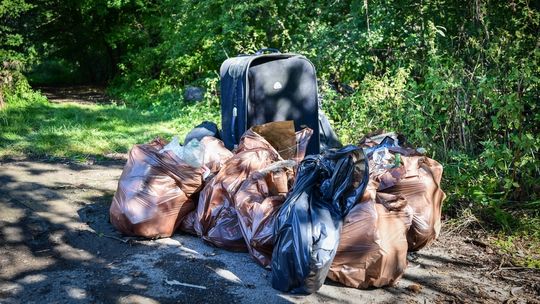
[[83, 94], [57, 246]]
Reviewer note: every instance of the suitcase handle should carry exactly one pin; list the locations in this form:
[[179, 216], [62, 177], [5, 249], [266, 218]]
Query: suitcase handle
[[263, 50], [233, 124]]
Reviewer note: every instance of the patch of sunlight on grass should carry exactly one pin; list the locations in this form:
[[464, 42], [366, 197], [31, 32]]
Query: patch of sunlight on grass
[[11, 136], [79, 131]]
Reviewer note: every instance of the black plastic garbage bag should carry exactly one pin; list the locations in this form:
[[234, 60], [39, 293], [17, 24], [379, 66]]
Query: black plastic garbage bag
[[328, 138], [206, 128], [308, 224]]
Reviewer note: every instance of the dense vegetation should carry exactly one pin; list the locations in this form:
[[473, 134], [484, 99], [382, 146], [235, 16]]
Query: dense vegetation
[[459, 78]]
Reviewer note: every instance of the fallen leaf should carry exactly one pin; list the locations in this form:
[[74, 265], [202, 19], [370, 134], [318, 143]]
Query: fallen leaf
[[516, 291], [416, 288]]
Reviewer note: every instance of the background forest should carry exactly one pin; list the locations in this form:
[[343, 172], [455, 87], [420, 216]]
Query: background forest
[[460, 78]]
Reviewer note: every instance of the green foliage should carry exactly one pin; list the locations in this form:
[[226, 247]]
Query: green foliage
[[11, 39], [16, 91], [458, 78], [55, 72]]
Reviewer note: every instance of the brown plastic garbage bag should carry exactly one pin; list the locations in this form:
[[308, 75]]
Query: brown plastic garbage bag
[[153, 190], [406, 172], [188, 223], [257, 203], [217, 220], [372, 251], [418, 180], [214, 155]]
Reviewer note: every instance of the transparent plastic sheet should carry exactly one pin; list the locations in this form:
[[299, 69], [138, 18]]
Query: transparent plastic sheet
[[371, 145], [217, 220], [373, 247], [257, 203], [209, 152], [190, 153], [308, 225], [174, 146], [153, 192]]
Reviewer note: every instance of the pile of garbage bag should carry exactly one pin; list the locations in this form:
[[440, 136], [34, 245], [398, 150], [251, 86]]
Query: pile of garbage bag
[[308, 226], [349, 214], [399, 212]]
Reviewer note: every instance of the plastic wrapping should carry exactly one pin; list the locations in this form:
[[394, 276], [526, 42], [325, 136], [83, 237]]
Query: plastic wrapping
[[217, 220], [257, 203], [328, 137], [153, 191], [373, 248], [190, 153], [308, 224]]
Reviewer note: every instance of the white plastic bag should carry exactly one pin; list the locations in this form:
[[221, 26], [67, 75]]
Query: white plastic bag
[[190, 153]]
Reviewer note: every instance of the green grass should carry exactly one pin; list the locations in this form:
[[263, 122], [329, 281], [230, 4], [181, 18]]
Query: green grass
[[31, 126], [522, 248]]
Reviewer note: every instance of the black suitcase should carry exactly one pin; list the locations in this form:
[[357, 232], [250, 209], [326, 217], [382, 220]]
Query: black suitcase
[[261, 88]]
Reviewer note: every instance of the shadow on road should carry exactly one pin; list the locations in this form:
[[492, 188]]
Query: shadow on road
[[47, 255]]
